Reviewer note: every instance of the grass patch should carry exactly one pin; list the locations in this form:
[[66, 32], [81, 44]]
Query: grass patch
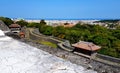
[[47, 43]]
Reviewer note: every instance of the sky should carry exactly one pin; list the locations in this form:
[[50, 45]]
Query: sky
[[63, 9]]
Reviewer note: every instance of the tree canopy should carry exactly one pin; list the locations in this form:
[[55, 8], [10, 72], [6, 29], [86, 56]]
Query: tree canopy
[[6, 20], [22, 23], [108, 39]]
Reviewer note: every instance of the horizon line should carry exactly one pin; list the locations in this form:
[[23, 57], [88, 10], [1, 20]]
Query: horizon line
[[68, 18]]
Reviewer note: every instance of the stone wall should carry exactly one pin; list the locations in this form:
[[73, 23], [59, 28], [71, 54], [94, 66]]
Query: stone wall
[[35, 36], [3, 26], [108, 58]]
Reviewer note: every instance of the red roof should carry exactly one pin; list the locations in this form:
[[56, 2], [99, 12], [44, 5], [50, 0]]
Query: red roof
[[14, 26], [68, 25], [86, 45], [21, 33]]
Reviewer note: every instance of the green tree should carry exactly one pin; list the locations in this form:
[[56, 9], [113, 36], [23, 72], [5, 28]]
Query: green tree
[[22, 23], [116, 33], [116, 45], [42, 22], [42, 26], [33, 24], [83, 26], [48, 30], [59, 31], [101, 40], [75, 36], [97, 29], [6, 20]]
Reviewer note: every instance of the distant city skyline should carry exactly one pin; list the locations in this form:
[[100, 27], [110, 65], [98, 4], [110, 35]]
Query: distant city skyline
[[61, 9]]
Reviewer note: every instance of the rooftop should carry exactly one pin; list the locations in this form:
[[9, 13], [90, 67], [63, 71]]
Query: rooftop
[[86, 46], [14, 26]]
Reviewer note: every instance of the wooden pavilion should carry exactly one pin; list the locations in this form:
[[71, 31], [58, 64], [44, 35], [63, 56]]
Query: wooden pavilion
[[87, 48], [15, 28]]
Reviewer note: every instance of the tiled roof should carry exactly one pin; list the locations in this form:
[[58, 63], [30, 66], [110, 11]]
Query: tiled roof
[[86, 45], [69, 25], [14, 25]]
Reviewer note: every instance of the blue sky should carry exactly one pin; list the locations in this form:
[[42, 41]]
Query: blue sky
[[60, 9]]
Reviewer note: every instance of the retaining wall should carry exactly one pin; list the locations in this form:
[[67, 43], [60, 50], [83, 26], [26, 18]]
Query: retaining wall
[[35, 36], [108, 58]]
